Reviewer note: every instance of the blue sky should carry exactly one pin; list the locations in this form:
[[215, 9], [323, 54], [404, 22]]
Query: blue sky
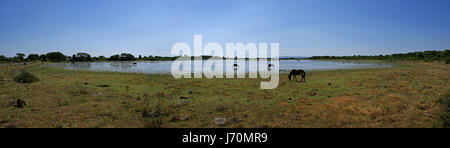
[[151, 27]]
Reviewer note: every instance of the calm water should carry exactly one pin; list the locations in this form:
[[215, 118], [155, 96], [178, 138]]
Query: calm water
[[165, 66]]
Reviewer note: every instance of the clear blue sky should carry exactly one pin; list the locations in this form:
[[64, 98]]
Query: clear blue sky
[[151, 27]]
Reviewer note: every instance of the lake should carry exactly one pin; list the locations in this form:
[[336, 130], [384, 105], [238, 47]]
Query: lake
[[159, 67]]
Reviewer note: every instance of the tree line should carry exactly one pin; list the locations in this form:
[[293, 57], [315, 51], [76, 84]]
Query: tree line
[[85, 57], [80, 57], [426, 56]]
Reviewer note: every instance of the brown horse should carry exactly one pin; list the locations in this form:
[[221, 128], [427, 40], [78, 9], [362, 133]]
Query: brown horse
[[296, 72]]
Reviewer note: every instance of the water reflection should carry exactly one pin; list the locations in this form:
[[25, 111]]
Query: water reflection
[[79, 66], [123, 65], [165, 66]]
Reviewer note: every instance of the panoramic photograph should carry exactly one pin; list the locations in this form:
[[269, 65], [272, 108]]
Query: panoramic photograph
[[253, 64]]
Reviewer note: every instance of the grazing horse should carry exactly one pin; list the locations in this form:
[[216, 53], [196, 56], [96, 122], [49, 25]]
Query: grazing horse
[[269, 67], [296, 72], [235, 66]]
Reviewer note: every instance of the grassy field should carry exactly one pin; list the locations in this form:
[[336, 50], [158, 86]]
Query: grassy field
[[402, 96]]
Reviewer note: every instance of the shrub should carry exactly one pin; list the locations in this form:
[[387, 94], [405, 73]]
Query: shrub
[[447, 61], [19, 103], [26, 77], [445, 115]]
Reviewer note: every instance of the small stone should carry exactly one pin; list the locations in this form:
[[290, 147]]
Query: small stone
[[96, 94], [184, 118], [220, 121], [329, 84]]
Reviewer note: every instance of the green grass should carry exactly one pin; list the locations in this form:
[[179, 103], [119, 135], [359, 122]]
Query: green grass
[[402, 96]]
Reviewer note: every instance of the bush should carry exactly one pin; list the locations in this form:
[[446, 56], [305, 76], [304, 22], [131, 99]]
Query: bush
[[445, 115], [26, 77], [447, 61], [19, 103]]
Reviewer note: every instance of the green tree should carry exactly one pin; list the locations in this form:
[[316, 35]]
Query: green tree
[[33, 57], [43, 57], [82, 57], [20, 57], [101, 58], [3, 58], [114, 58], [56, 57], [127, 57]]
